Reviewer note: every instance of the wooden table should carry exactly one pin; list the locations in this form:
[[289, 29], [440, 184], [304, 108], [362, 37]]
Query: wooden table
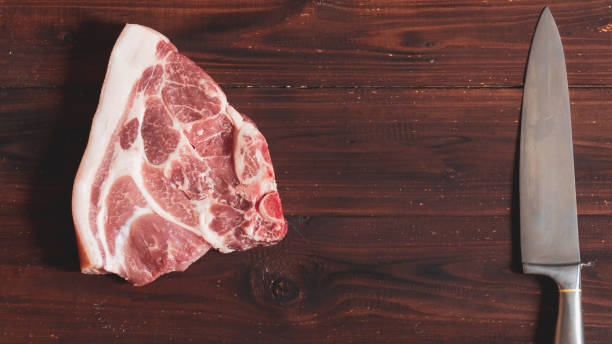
[[393, 127]]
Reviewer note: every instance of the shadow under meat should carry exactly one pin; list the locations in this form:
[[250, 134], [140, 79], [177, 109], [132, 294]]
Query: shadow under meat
[[65, 141]]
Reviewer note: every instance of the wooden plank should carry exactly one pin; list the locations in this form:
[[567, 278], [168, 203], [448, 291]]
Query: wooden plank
[[336, 152], [425, 279], [308, 43]]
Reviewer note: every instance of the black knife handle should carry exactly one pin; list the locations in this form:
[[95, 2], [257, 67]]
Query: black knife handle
[[569, 319]]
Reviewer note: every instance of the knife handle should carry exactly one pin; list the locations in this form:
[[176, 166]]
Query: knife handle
[[569, 320]]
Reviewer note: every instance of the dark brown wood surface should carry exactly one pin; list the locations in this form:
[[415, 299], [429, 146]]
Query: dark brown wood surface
[[393, 128]]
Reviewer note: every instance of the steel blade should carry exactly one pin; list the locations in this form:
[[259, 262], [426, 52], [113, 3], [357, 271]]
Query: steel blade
[[549, 225]]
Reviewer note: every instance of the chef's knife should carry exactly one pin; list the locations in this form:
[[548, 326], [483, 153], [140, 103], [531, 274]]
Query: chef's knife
[[549, 225]]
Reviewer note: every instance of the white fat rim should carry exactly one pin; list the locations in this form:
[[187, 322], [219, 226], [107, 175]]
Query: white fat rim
[[133, 52]]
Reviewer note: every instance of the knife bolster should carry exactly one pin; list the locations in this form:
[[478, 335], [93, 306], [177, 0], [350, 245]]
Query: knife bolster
[[567, 276], [569, 318]]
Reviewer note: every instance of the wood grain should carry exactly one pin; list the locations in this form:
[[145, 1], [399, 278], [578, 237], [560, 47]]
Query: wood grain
[[340, 152], [393, 128], [322, 43], [402, 226], [398, 279]]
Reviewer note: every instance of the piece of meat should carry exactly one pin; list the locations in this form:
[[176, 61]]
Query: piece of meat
[[170, 169]]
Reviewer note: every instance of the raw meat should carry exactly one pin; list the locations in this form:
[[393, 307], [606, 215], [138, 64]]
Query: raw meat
[[170, 169]]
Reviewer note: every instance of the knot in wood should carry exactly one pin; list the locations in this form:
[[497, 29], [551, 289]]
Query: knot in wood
[[284, 290]]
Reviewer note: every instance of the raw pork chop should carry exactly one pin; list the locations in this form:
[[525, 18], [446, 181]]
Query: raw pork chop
[[170, 169]]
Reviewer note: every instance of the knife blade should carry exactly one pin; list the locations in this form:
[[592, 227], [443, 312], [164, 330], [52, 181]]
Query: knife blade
[[547, 189]]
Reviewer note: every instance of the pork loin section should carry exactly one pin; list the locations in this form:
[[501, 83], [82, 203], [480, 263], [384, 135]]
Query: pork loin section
[[170, 169]]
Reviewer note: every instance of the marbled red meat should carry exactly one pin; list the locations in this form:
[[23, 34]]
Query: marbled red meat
[[170, 170]]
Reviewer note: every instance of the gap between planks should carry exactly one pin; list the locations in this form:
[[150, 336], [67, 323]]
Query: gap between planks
[[315, 87]]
